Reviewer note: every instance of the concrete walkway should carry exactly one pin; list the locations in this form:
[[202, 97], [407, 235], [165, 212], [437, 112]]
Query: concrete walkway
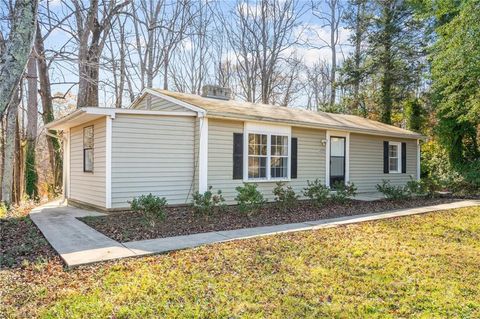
[[74, 241], [79, 244]]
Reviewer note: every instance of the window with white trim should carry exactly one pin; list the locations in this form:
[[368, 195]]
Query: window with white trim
[[268, 156], [88, 139], [279, 156], [394, 157], [257, 156]]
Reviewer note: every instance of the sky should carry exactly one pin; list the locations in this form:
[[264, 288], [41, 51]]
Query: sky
[[309, 30]]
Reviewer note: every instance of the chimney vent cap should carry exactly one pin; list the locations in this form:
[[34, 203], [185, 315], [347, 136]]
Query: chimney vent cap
[[216, 92]]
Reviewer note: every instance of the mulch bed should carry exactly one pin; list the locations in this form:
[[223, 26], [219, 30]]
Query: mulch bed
[[22, 244], [130, 226]]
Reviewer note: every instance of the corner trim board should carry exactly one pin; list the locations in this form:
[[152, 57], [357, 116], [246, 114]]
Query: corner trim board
[[108, 164], [203, 156], [418, 159]]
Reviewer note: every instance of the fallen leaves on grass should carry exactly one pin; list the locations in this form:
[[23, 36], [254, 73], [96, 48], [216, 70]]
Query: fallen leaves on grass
[[416, 266]]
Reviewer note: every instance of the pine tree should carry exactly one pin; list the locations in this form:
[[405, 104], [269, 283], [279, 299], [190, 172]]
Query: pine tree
[[395, 51], [456, 78]]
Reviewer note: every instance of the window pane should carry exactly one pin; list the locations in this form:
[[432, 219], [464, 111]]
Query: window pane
[[279, 167], [393, 150], [393, 164], [337, 146], [88, 160], [257, 167], [337, 166], [88, 137], [257, 144], [279, 145]]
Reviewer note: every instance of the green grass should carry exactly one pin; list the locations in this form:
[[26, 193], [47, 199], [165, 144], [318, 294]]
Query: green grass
[[425, 266]]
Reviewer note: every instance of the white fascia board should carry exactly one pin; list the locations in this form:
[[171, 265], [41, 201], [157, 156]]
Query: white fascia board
[[153, 112], [194, 108]]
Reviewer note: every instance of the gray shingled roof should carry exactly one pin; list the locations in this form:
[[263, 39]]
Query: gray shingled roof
[[294, 116]]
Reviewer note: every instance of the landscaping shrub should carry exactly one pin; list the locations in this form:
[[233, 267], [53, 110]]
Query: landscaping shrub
[[285, 197], [208, 202], [152, 207], [249, 198], [392, 191], [343, 192], [317, 192]]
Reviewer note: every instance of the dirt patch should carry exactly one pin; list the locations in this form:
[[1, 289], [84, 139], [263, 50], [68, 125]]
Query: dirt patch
[[130, 226]]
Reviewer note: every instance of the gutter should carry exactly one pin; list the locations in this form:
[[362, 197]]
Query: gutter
[[317, 126]]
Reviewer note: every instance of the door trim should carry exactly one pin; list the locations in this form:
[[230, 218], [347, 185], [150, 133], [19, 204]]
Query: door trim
[[345, 134]]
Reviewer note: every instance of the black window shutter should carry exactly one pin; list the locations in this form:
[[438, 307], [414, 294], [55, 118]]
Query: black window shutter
[[294, 161], [404, 157], [237, 155], [385, 157]]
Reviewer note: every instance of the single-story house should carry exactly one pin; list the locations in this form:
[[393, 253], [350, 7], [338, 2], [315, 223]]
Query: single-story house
[[173, 144]]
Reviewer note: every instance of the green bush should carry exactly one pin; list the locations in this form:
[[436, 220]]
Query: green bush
[[285, 197], [249, 198], [392, 191], [152, 207], [208, 202], [317, 192], [343, 192], [436, 168]]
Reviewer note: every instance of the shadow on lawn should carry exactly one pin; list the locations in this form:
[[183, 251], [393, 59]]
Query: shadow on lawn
[[22, 244]]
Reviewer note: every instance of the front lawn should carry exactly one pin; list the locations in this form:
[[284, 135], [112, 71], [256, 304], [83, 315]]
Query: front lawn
[[419, 266]]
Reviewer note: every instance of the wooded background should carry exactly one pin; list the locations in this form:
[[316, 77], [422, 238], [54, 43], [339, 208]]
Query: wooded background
[[414, 64]]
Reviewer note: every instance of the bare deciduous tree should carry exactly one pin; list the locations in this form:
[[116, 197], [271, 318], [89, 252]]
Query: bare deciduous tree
[[91, 31], [159, 27], [262, 37], [330, 19], [31, 131], [17, 49]]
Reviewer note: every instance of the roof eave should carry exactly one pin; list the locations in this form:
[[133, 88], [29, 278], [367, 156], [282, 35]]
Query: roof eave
[[313, 125]]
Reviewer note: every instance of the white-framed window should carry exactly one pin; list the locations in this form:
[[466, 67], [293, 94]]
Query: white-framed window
[[88, 145], [394, 157], [268, 156], [257, 155], [278, 156]]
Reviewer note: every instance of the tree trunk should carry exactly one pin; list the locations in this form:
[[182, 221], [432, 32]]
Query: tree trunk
[[333, 46], [9, 149], [31, 131], [18, 171], [54, 149], [17, 51]]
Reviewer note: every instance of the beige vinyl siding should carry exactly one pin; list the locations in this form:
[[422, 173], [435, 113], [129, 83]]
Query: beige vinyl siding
[[311, 158], [85, 186], [152, 154], [159, 104], [366, 162]]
